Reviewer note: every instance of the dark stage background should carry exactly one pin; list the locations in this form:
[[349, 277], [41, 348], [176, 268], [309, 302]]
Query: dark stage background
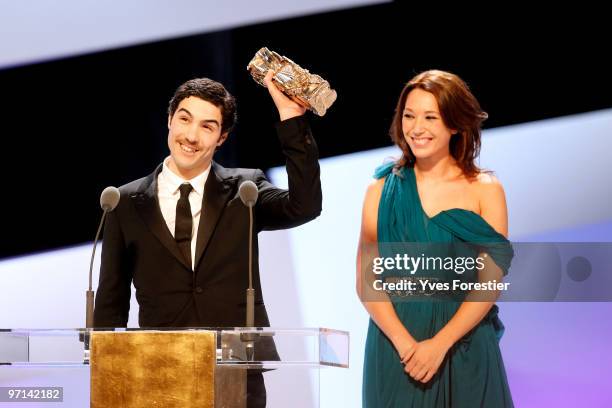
[[73, 126]]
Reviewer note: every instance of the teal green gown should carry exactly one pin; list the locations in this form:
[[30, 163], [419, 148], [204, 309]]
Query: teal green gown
[[472, 374]]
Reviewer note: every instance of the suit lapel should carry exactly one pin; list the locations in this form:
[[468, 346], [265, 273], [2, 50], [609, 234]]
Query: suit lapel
[[146, 203], [218, 190]]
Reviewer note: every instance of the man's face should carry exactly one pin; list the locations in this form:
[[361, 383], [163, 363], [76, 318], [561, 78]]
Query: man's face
[[194, 132]]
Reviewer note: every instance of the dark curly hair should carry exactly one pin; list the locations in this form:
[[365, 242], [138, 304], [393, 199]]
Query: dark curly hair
[[210, 91]]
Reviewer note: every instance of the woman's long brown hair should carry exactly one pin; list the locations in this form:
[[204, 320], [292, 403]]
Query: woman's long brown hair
[[459, 110]]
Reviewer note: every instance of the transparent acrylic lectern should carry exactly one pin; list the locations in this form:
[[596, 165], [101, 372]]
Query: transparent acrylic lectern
[[172, 367]]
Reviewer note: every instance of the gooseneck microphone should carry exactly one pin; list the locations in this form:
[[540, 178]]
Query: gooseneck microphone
[[248, 195], [108, 201]]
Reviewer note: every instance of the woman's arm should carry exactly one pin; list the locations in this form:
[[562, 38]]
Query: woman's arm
[[382, 311], [425, 358], [494, 211]]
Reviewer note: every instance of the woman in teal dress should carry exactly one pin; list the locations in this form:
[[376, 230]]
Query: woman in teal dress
[[437, 352]]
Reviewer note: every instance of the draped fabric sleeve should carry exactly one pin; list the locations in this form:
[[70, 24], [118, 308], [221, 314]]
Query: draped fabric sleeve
[[470, 227], [384, 170]]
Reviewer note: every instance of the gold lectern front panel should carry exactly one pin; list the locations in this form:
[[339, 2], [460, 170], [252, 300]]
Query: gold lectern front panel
[[153, 369]]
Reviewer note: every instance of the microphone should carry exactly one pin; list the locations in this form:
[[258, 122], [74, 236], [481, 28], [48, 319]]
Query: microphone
[[109, 198], [248, 195], [108, 201]]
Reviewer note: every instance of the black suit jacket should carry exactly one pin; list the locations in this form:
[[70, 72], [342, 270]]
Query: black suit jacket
[[139, 247]]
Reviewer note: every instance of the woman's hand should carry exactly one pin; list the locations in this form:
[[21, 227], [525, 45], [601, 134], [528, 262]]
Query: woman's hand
[[404, 346], [423, 360]]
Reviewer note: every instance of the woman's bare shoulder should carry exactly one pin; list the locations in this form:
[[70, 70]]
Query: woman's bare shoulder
[[492, 202], [488, 185], [376, 186], [369, 218]]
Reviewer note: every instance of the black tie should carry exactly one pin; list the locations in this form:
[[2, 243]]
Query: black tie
[[184, 222]]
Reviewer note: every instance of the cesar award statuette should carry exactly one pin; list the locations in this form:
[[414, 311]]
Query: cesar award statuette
[[309, 90]]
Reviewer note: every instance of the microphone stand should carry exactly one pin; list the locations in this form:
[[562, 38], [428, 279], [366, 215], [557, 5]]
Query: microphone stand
[[250, 338], [89, 294]]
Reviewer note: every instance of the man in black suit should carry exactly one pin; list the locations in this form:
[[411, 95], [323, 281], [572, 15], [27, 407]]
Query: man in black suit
[[191, 271]]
